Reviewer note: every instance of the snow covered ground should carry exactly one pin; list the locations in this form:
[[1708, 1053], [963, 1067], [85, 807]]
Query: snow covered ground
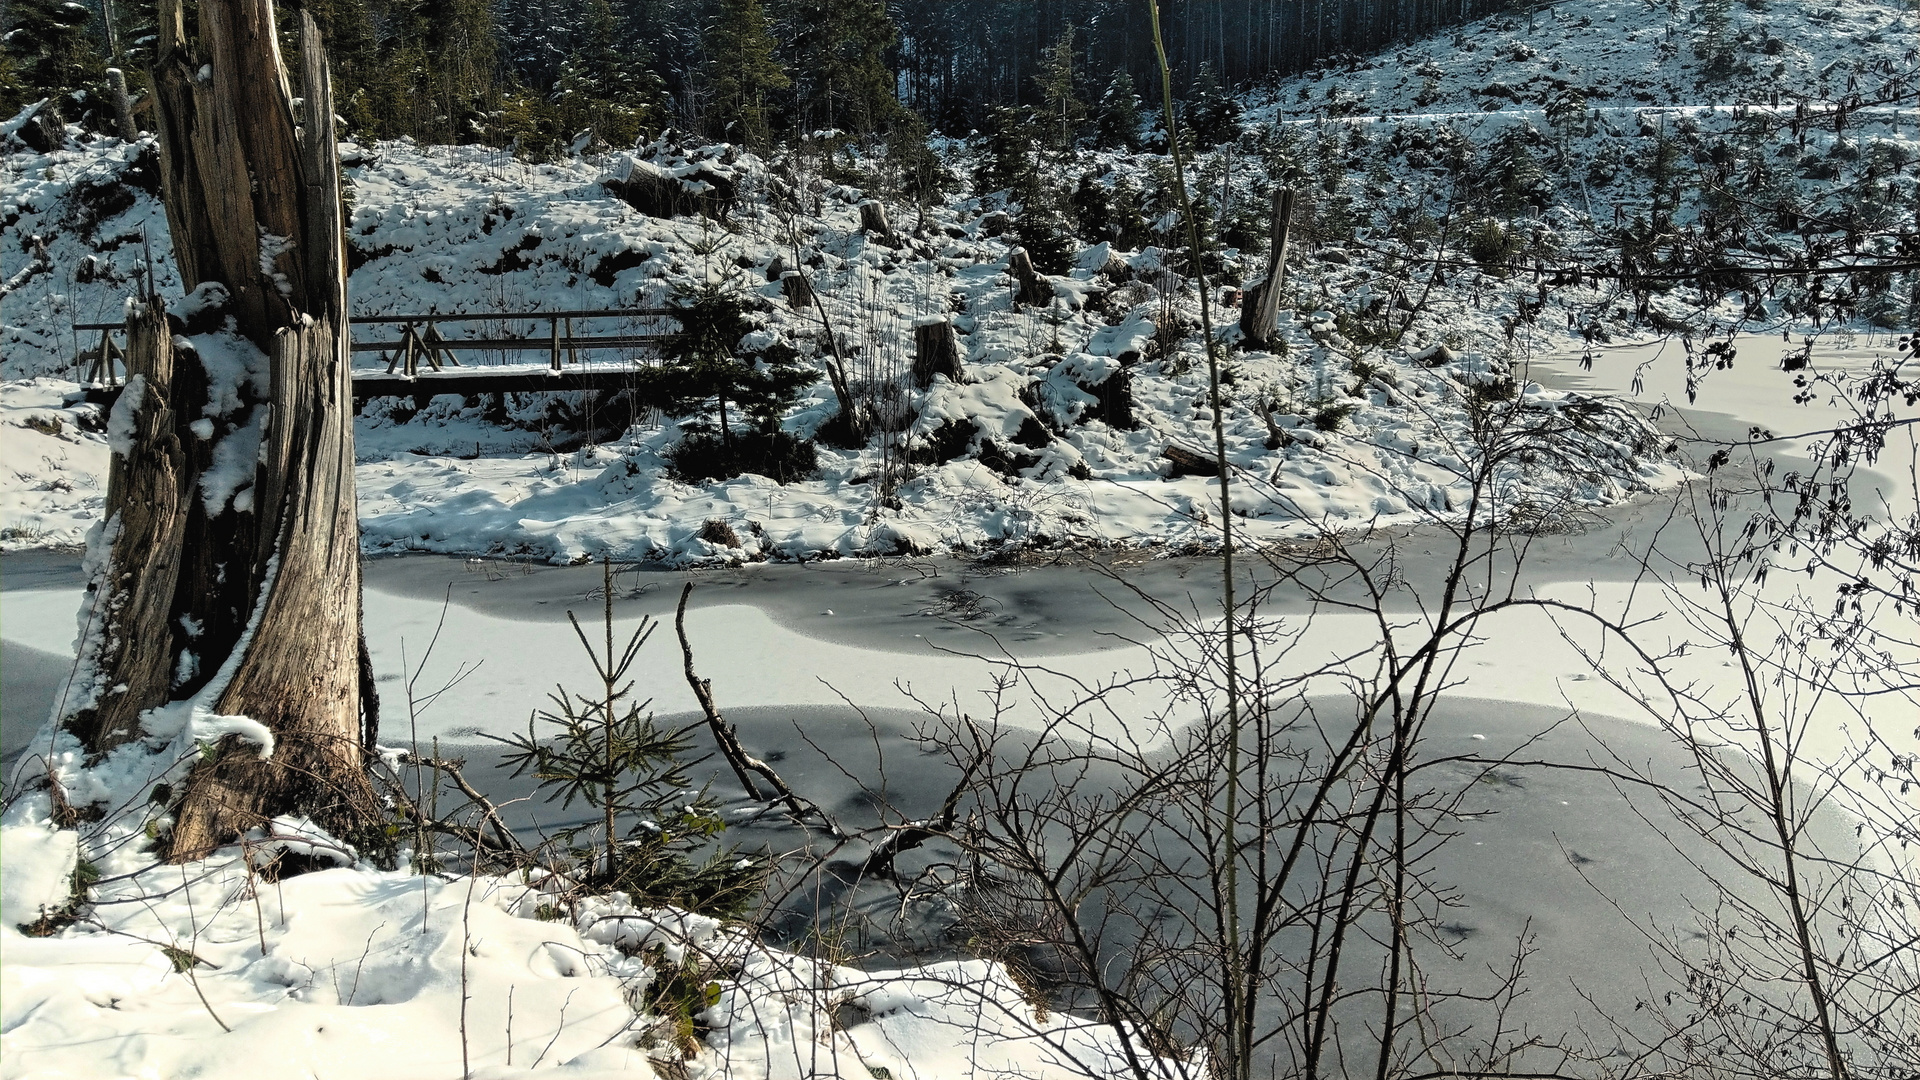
[[1033, 469], [357, 972]]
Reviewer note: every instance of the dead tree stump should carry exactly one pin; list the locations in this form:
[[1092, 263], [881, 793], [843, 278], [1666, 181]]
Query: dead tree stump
[[799, 294], [270, 583], [936, 351], [1031, 287], [873, 221], [1261, 309]]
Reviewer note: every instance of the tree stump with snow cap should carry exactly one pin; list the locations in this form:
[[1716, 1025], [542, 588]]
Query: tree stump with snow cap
[[873, 221], [1031, 286], [936, 351]]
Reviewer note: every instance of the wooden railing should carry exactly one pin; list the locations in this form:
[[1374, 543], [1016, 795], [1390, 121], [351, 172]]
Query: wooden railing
[[420, 341]]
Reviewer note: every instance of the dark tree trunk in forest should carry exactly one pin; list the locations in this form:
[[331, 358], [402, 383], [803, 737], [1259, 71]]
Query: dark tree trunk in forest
[[1261, 308], [265, 590]]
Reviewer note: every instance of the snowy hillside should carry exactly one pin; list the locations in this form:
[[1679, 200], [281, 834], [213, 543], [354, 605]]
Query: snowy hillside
[[1553, 117], [1013, 454], [1624, 56]]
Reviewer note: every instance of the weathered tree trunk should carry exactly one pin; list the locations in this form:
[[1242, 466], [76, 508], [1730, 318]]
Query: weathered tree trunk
[[1261, 308], [873, 221], [300, 673], [150, 486], [265, 590], [1032, 287], [122, 105], [794, 285], [936, 351]]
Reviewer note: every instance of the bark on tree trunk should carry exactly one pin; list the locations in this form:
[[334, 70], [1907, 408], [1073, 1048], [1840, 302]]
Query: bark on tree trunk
[[264, 589], [799, 294], [150, 486], [1261, 308], [1033, 288], [300, 672], [935, 352]]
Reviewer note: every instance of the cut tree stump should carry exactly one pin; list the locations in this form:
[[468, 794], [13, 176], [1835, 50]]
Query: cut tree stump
[[1261, 308], [122, 106], [1032, 288], [936, 351], [873, 221], [799, 294]]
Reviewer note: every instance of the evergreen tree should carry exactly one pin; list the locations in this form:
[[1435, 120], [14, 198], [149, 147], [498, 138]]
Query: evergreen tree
[[744, 73], [1117, 125], [704, 372], [837, 51], [1714, 45], [1517, 179], [1010, 155], [435, 76], [50, 51], [353, 56], [1213, 115], [604, 88], [1064, 112]]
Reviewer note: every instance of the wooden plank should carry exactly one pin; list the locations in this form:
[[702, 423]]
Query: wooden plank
[[396, 320], [484, 381], [514, 344], [583, 313]]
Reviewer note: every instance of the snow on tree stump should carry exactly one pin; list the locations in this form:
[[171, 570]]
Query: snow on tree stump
[[122, 106], [41, 130], [996, 223], [799, 294], [936, 351], [873, 221], [1032, 287]]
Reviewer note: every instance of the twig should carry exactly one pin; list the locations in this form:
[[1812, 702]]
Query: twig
[[729, 743]]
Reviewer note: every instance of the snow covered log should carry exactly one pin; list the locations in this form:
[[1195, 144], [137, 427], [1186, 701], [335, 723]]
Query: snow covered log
[[657, 192], [1190, 462]]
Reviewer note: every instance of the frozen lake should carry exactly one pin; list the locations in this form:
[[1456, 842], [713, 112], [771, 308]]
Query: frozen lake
[[791, 649]]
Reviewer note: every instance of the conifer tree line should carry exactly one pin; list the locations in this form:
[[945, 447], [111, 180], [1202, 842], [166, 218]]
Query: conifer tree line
[[547, 77]]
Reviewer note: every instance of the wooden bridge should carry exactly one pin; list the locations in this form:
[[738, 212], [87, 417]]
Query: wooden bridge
[[421, 362]]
